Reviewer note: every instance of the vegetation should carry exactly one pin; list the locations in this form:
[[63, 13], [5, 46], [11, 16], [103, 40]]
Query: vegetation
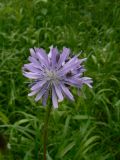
[[88, 129]]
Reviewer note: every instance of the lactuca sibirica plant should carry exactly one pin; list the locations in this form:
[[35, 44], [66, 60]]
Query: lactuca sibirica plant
[[52, 76], [54, 73]]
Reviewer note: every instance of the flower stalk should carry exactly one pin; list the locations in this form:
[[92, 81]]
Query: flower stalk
[[45, 134]]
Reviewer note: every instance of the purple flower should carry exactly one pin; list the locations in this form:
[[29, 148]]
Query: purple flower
[[54, 73]]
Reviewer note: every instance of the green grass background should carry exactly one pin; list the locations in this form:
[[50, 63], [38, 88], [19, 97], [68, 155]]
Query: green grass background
[[88, 129]]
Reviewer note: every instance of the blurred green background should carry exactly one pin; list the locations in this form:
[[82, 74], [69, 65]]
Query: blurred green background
[[88, 129]]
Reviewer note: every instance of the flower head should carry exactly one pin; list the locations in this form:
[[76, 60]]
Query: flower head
[[54, 73]]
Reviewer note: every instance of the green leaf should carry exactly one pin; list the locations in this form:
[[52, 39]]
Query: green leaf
[[4, 118], [64, 151]]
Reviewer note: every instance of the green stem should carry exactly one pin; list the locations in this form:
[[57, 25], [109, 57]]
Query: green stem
[[48, 109]]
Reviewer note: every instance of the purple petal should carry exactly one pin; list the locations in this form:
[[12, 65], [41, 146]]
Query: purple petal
[[38, 85], [32, 52], [42, 56], [69, 66], [45, 97], [32, 75], [42, 92], [58, 92], [87, 81], [35, 62], [77, 75], [50, 53], [64, 55], [33, 92], [54, 57], [78, 71], [74, 82], [54, 98], [38, 66], [31, 68], [67, 92]]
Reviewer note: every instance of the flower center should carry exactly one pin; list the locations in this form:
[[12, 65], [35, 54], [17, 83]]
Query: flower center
[[51, 75]]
